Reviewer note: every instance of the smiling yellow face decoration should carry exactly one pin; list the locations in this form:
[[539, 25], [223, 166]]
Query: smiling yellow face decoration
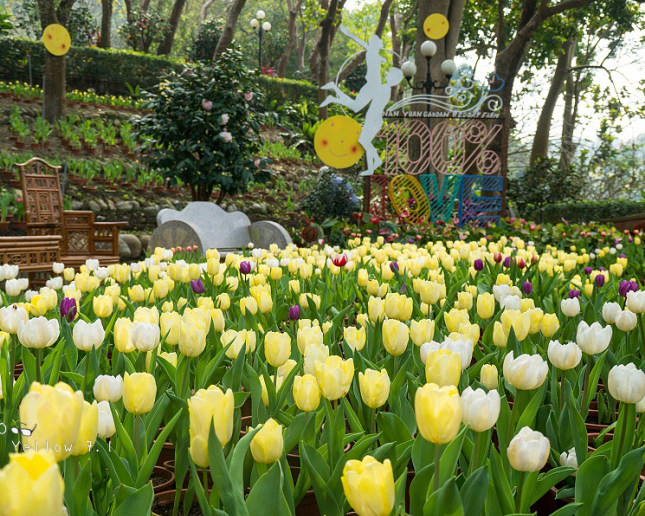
[[436, 26], [56, 39], [336, 142]]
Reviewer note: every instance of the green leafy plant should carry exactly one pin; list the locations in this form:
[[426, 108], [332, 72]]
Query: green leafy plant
[[331, 197], [203, 130], [6, 199]]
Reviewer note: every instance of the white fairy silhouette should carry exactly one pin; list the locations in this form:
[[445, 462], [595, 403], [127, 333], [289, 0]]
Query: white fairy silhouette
[[375, 94]]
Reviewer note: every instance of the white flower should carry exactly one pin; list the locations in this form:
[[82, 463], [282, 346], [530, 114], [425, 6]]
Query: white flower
[[55, 283], [528, 450], [610, 311], [480, 410], [226, 136], [570, 307], [564, 356], [626, 383], [593, 339], [224, 119], [108, 388], [135, 267], [29, 295], [88, 335], [636, 301], [106, 428], [13, 287], [501, 291], [145, 336], [525, 372], [166, 254], [569, 459], [102, 273], [11, 316], [58, 267], [91, 264], [38, 333], [626, 320], [257, 253], [511, 302]]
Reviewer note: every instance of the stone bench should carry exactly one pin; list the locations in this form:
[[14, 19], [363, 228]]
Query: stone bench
[[208, 226]]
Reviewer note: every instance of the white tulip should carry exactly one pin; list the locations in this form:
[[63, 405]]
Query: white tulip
[[9, 271], [480, 410], [525, 372], [626, 320], [108, 388], [88, 335], [102, 273], [564, 356], [106, 427], [55, 283], [626, 383], [13, 287], [145, 336], [463, 347], [91, 264], [426, 348], [500, 292], [11, 316], [569, 459], [636, 301], [29, 295], [314, 353], [528, 450], [38, 333], [511, 302], [58, 267], [593, 339], [570, 307], [610, 311], [23, 283]]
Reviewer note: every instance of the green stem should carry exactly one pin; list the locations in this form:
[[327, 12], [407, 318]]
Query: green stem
[[642, 325], [184, 388], [621, 427], [205, 480], [437, 465], [585, 387], [136, 435], [87, 366], [561, 390], [39, 358], [396, 365], [373, 421], [520, 488], [478, 438], [14, 351]]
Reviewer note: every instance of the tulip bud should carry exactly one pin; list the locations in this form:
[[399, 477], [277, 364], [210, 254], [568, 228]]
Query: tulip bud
[[443, 367], [438, 412], [485, 305], [398, 306], [87, 336], [88, 429], [267, 444], [38, 333], [108, 388], [208, 406], [374, 387], [610, 311], [528, 450], [355, 337], [139, 393], [626, 383], [550, 324], [593, 339], [10, 318], [106, 427], [306, 392], [488, 376], [123, 328], [192, 337], [395, 336], [455, 318], [564, 356], [334, 376], [369, 486], [480, 410], [376, 309], [102, 305], [277, 348], [569, 459], [525, 372], [422, 331], [308, 336], [145, 336], [500, 338], [570, 307]]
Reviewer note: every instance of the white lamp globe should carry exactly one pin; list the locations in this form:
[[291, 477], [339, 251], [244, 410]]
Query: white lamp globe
[[409, 69], [255, 23], [448, 67], [428, 48], [260, 15], [266, 26]]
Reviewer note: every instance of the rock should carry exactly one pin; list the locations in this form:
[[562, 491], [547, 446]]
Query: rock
[[102, 204], [255, 207], [76, 205], [124, 206], [124, 249], [231, 208], [136, 205], [151, 210], [94, 206], [111, 205], [133, 243], [145, 240]]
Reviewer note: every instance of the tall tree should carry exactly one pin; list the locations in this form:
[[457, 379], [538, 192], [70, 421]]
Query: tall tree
[[322, 53], [106, 24], [52, 11], [294, 9], [232, 15], [165, 46]]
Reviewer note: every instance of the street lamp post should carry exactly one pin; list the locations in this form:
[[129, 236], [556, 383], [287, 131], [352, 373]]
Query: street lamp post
[[261, 27]]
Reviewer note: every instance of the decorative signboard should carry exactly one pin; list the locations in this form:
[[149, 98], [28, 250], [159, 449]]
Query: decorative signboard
[[56, 39]]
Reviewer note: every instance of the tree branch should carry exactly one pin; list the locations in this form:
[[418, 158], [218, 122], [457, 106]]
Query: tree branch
[[565, 5]]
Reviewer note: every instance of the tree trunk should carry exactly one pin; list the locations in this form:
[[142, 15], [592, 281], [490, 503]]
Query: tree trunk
[[540, 148], [300, 56], [106, 24], [396, 19], [233, 14], [173, 22], [204, 10], [144, 5], [55, 102], [323, 52], [291, 38], [128, 10], [360, 57], [569, 119]]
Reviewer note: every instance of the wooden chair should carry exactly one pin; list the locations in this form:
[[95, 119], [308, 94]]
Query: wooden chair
[[82, 237], [35, 255]]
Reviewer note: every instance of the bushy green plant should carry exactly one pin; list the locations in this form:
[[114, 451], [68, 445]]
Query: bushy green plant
[[82, 25], [203, 130], [144, 30], [205, 41], [331, 197]]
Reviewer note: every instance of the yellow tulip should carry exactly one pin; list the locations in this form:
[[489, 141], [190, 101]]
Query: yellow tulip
[[264, 301], [455, 318], [500, 337], [488, 376], [354, 337], [212, 266], [55, 413], [520, 322], [170, 323], [376, 309], [103, 306], [121, 272], [398, 306], [307, 336], [68, 273], [294, 286], [438, 412], [334, 376], [276, 273], [369, 486], [485, 305], [31, 483], [237, 339], [362, 278], [123, 328], [249, 304], [464, 301], [192, 338], [422, 331], [224, 301], [139, 393], [374, 387], [443, 367], [88, 429], [395, 336], [550, 324], [306, 297], [306, 392], [277, 348], [136, 293], [146, 315], [206, 406], [267, 444], [217, 318], [536, 315], [429, 291], [277, 383]]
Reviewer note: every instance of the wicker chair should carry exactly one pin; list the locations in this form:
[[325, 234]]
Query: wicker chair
[[82, 237]]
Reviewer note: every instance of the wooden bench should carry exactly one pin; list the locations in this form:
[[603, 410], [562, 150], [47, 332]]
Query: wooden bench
[[35, 255]]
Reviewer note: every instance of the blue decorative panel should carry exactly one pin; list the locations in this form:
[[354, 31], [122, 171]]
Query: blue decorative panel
[[475, 209]]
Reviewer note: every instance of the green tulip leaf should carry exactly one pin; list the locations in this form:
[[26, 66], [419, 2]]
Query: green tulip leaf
[[124, 440], [546, 481], [614, 484], [139, 502], [294, 431], [445, 501], [116, 468], [422, 453], [530, 412], [202, 500], [327, 500], [589, 475], [450, 456], [500, 481], [419, 489], [473, 492], [392, 428], [266, 496], [151, 459]]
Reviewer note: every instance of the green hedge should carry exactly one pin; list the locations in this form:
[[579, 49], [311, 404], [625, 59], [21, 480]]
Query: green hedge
[[108, 71], [588, 211]]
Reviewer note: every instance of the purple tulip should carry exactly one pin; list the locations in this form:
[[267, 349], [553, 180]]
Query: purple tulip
[[294, 312], [198, 286], [68, 308], [403, 289], [394, 267], [245, 267], [528, 287], [621, 255], [601, 269], [574, 293], [600, 280], [479, 264], [507, 261], [627, 286], [588, 270]]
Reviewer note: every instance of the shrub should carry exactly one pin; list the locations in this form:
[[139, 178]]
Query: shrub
[[144, 30], [331, 197], [202, 130], [282, 90], [205, 41], [588, 211]]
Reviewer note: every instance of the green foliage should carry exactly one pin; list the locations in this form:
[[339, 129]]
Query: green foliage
[[144, 30], [586, 211], [282, 90], [331, 197], [202, 131], [205, 41], [82, 26], [542, 185], [5, 24]]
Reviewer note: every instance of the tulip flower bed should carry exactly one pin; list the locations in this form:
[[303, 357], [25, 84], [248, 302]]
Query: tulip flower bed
[[476, 378]]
